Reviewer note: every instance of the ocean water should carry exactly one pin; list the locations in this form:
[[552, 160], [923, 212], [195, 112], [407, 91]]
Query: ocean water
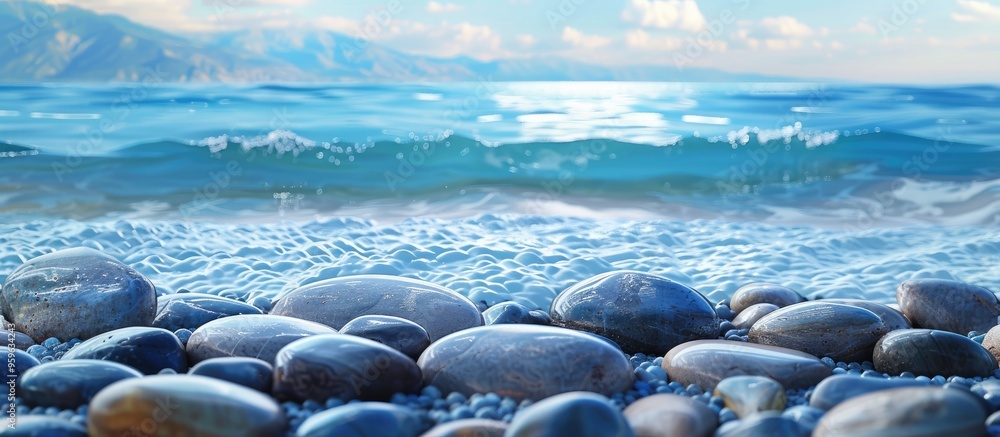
[[508, 191]]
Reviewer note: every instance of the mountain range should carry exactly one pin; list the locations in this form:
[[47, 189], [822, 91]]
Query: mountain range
[[61, 43]]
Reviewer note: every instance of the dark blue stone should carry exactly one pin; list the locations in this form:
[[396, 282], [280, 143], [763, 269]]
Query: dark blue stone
[[836, 389], [44, 426], [362, 419], [579, 414], [765, 424], [638, 311], [248, 372], [334, 302], [191, 310], [148, 350], [254, 336], [931, 352], [342, 366], [20, 340], [400, 334], [76, 293], [22, 362], [67, 384]]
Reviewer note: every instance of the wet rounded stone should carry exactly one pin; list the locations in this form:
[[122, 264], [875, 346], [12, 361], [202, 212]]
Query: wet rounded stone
[[18, 364], [514, 313], [930, 352], [468, 428], [746, 395], [254, 336], [844, 333], [671, 415], [763, 292], [765, 424], [706, 362], [909, 411], [838, 388], [67, 384], [575, 413], [342, 366], [362, 419], [18, 339], [525, 362], [400, 334], [191, 310], [334, 302], [992, 342], [892, 317], [751, 314], [44, 426], [76, 293], [248, 372], [148, 350], [948, 305], [183, 405], [639, 311]]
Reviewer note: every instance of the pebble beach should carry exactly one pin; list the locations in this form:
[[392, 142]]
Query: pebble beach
[[499, 325]]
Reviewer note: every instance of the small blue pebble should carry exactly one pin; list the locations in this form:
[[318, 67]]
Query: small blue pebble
[[431, 392], [829, 362], [51, 342], [939, 380], [839, 371], [979, 338], [333, 403], [727, 415], [311, 405], [462, 412], [694, 390], [183, 335], [456, 398]]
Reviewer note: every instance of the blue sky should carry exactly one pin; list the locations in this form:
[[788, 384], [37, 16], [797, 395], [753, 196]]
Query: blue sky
[[934, 41]]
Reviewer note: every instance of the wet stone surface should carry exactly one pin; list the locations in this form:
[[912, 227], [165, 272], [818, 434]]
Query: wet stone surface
[[641, 312], [78, 293], [525, 362], [334, 302]]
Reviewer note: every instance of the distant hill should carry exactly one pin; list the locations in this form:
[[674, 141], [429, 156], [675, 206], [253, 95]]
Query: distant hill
[[78, 45]]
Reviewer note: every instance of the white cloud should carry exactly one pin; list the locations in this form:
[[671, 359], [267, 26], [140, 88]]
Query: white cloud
[[579, 39], [863, 27], [639, 39], [785, 27], [973, 10], [666, 14], [161, 14], [443, 39], [526, 40], [836, 45], [782, 44], [439, 8]]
